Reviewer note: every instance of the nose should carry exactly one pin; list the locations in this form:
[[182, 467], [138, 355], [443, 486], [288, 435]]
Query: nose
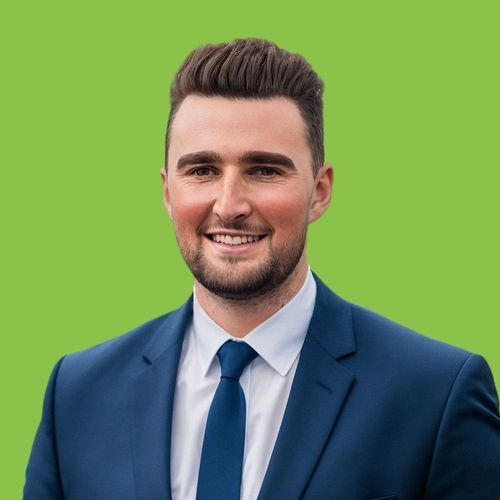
[[231, 198]]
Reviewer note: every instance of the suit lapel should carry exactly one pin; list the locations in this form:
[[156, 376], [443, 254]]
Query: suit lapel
[[320, 387], [152, 397]]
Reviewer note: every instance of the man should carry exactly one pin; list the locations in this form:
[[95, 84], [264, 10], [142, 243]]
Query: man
[[265, 384]]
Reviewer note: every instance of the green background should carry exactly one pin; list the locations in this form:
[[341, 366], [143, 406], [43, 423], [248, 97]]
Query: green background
[[411, 110]]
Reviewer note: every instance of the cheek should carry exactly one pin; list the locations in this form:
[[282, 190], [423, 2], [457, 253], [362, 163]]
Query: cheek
[[286, 209], [188, 210]]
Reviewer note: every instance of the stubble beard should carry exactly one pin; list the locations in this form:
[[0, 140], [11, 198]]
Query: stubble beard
[[236, 283]]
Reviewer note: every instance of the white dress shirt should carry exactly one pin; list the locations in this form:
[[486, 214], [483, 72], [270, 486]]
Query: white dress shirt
[[266, 383]]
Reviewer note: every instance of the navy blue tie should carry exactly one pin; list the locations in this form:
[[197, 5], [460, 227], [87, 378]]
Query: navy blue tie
[[221, 462]]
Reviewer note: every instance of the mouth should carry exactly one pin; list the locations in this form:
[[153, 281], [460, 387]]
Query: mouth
[[235, 239]]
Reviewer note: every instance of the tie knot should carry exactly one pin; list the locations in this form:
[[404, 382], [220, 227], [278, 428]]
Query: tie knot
[[234, 357]]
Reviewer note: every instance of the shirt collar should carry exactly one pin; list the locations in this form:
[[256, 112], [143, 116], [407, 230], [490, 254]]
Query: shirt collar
[[278, 340]]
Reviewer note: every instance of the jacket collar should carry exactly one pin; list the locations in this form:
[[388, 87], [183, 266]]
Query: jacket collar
[[170, 332], [319, 390], [151, 403], [331, 324]]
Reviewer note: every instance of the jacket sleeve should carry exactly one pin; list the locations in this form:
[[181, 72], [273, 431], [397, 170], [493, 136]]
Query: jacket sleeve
[[466, 459], [43, 481]]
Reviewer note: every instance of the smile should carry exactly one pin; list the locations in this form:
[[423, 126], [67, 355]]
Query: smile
[[234, 240]]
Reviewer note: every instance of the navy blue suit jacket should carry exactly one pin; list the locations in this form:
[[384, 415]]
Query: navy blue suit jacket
[[375, 411]]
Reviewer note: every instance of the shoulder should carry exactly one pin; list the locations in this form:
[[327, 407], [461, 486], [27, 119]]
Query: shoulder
[[413, 370], [408, 357], [380, 347], [126, 342], [378, 333], [121, 356]]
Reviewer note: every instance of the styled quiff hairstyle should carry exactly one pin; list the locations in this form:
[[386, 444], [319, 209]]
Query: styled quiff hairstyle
[[253, 69]]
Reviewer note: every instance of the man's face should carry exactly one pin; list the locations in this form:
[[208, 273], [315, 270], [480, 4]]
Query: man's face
[[240, 190]]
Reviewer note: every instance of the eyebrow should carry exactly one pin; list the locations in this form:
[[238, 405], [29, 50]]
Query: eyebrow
[[198, 158], [260, 157], [267, 158]]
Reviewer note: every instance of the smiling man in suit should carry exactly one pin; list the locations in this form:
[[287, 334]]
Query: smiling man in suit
[[264, 384]]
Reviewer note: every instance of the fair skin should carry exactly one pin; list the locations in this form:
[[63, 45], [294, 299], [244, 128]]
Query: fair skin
[[240, 191]]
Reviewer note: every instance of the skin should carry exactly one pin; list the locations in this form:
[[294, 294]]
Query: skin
[[226, 193]]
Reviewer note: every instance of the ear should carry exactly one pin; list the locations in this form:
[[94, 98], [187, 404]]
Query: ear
[[166, 194], [322, 193]]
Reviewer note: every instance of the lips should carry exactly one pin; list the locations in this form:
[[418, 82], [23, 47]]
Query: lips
[[234, 239]]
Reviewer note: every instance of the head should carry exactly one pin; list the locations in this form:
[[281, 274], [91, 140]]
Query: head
[[244, 172]]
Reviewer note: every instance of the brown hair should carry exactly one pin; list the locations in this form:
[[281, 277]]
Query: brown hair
[[253, 68]]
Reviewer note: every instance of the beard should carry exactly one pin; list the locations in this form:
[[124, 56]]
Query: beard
[[235, 279]]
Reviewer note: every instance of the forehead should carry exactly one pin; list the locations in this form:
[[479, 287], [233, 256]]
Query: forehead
[[231, 126]]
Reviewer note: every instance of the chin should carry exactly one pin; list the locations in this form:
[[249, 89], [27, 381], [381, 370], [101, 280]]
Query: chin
[[253, 282]]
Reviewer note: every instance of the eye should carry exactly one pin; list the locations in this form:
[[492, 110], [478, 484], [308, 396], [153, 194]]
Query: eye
[[266, 171], [202, 171]]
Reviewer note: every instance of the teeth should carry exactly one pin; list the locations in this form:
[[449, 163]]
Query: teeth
[[235, 240]]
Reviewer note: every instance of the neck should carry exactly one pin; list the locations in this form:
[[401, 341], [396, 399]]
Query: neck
[[239, 317]]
